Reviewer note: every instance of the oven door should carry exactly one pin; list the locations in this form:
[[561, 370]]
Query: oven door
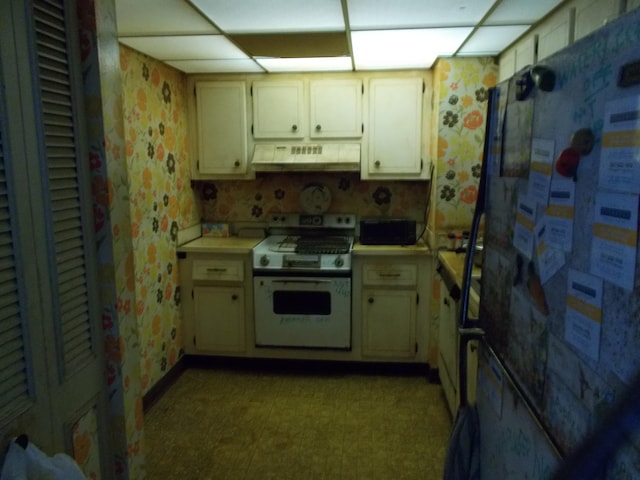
[[303, 311]]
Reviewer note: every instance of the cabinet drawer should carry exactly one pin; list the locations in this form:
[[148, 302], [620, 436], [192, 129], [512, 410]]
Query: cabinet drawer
[[390, 274], [228, 270]]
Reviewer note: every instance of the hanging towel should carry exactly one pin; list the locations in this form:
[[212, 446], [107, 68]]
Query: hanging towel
[[463, 454]]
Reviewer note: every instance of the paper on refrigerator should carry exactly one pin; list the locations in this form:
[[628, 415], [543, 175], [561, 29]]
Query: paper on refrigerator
[[584, 313], [540, 170], [525, 221], [620, 152], [615, 238], [559, 214], [550, 260]]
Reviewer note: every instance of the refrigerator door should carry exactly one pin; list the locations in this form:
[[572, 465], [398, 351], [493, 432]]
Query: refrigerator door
[[560, 297]]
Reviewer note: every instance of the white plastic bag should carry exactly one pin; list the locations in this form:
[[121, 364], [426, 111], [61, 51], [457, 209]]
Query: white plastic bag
[[31, 463]]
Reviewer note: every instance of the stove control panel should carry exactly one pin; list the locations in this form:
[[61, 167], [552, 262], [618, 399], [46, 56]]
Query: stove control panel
[[327, 220]]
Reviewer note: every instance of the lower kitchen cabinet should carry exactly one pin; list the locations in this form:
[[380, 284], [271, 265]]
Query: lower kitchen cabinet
[[219, 318], [216, 303], [391, 297], [388, 322]]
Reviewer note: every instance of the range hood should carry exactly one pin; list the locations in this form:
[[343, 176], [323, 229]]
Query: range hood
[[270, 157]]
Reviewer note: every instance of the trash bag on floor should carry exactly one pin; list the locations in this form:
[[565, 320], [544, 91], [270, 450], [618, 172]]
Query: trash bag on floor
[[30, 463]]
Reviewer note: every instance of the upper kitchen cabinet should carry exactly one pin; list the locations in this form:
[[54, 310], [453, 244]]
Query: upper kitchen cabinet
[[395, 130], [221, 119], [335, 108], [278, 109]]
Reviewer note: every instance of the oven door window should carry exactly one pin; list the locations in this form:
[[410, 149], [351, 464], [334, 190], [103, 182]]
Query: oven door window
[[292, 302]]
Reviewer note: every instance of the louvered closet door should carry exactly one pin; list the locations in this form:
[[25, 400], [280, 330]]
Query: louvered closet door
[[60, 213]]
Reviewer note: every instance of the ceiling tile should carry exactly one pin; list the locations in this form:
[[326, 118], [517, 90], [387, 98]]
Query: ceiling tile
[[521, 11], [160, 17], [492, 40], [326, 64], [379, 14], [260, 16], [414, 48], [293, 45], [185, 47], [216, 66]]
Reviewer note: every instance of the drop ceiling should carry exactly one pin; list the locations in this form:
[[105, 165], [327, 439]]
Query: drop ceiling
[[247, 36]]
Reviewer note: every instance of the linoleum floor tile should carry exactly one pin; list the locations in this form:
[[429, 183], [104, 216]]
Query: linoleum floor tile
[[242, 424]]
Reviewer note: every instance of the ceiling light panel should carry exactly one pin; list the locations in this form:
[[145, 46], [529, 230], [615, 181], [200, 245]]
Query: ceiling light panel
[[326, 64], [521, 11], [379, 14], [216, 66], [403, 49], [185, 47], [273, 16], [160, 17], [492, 40]]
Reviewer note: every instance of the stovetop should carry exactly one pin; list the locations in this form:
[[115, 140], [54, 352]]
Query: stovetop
[[307, 242]]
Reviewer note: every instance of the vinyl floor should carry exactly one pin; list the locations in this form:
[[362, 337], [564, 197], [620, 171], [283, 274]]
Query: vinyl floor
[[254, 423]]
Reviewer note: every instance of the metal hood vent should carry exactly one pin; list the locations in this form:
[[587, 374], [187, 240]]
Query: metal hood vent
[[270, 157]]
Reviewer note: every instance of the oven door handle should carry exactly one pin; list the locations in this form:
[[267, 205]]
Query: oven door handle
[[314, 282]]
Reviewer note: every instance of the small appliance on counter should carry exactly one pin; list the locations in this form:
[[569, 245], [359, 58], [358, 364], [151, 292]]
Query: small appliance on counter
[[387, 231]]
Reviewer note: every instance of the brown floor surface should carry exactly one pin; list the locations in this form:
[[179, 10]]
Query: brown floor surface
[[241, 424]]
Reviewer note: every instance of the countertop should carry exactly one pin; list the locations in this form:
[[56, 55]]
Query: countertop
[[244, 245], [220, 245], [454, 264], [419, 248]]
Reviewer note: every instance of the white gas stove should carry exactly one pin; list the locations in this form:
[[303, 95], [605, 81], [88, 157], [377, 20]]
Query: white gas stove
[[306, 242]]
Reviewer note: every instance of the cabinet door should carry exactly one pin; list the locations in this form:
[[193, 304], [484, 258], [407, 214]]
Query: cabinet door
[[278, 109], [219, 318], [222, 127], [395, 129], [448, 348], [388, 323], [335, 109]]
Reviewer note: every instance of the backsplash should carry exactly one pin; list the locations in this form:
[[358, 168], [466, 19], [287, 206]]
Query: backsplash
[[234, 201]]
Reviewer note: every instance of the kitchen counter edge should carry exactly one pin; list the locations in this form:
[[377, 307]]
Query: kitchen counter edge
[[419, 248], [220, 245]]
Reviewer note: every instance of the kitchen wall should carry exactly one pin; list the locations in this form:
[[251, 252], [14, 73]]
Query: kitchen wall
[[105, 130], [460, 102], [161, 202], [273, 193]]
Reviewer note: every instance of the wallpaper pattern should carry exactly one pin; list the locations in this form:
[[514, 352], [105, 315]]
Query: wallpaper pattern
[[462, 91], [277, 193], [162, 202], [103, 104]]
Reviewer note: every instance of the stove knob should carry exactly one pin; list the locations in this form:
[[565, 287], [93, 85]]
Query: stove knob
[[339, 262], [264, 261]]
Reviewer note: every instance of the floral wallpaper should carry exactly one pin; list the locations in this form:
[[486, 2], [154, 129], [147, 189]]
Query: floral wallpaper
[[110, 188], [280, 193], [85, 435], [461, 90], [162, 202]]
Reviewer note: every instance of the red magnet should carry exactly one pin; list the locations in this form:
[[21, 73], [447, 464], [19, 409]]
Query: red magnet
[[567, 163]]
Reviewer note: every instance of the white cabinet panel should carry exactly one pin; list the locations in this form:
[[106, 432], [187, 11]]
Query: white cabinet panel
[[388, 324], [221, 128], [278, 109], [219, 318], [395, 126], [335, 108]]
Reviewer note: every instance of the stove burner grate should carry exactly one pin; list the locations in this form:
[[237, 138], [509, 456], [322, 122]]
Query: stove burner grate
[[331, 245]]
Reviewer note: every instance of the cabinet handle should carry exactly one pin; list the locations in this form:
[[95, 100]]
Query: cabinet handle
[[377, 163], [389, 275], [318, 127], [216, 270], [294, 127], [236, 163], [234, 297], [370, 300]]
